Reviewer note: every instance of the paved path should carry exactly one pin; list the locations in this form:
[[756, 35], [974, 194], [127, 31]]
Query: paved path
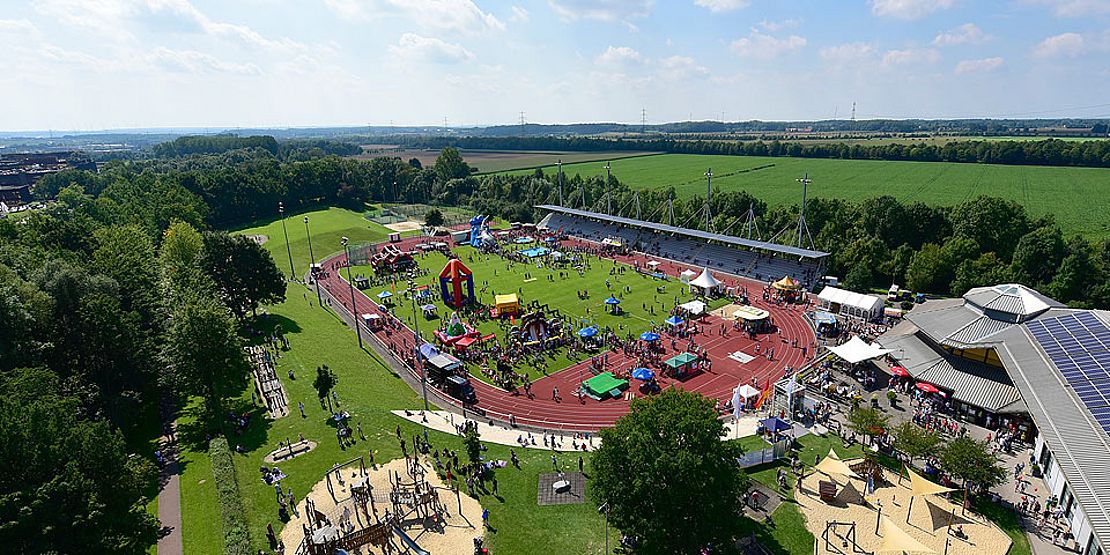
[[498, 434], [169, 499]]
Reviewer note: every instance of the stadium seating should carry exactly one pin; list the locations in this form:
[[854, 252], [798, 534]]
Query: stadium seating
[[718, 257]]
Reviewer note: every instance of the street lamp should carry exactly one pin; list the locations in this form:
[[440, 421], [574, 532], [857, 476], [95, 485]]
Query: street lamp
[[288, 250], [416, 348], [312, 263], [560, 162], [351, 286]]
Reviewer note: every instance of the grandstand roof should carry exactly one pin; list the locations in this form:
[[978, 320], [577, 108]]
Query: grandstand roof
[[703, 235]]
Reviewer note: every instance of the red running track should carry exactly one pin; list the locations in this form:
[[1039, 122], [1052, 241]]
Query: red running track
[[569, 413]]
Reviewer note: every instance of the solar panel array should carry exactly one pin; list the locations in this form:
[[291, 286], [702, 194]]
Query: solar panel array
[[1079, 346]]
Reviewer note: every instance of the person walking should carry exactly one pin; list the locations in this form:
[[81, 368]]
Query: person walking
[[554, 462], [300, 405]]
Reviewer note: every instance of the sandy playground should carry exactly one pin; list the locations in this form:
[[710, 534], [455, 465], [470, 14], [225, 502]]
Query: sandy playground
[[456, 536], [929, 522], [404, 226]]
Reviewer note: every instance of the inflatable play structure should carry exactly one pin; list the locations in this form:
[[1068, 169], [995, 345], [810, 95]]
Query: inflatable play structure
[[391, 259], [506, 305], [535, 327], [457, 333], [479, 231], [451, 281]]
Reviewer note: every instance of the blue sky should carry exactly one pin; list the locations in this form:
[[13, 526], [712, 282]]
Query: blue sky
[[96, 64]]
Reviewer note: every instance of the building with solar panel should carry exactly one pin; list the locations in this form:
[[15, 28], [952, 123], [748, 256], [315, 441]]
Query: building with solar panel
[[1009, 356]]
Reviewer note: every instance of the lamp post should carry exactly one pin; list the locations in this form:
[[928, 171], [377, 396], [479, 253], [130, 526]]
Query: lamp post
[[351, 286], [604, 508], [416, 348], [608, 193], [708, 197], [560, 163], [288, 250], [312, 263]]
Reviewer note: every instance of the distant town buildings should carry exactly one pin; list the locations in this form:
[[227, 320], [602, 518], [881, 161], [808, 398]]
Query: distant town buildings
[[18, 172]]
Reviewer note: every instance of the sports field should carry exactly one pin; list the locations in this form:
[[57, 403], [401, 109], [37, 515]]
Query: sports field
[[1078, 197], [642, 304]]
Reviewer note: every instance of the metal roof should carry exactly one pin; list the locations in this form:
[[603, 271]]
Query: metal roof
[[703, 235], [971, 382], [1080, 446], [1011, 298]]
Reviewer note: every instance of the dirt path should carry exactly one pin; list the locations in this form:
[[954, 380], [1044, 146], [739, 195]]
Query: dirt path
[[169, 498]]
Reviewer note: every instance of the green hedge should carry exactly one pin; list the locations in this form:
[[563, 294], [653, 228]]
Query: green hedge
[[237, 539]]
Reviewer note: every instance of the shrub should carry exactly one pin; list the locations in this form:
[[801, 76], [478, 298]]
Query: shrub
[[237, 540]]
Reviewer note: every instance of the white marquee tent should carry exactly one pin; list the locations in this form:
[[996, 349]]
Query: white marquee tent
[[850, 303], [858, 350], [706, 282]]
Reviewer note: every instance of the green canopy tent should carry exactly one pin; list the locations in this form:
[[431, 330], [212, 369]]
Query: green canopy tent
[[681, 364], [604, 385]]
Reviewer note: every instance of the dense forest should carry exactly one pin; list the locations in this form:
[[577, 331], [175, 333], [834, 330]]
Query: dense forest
[[1049, 152], [116, 303]]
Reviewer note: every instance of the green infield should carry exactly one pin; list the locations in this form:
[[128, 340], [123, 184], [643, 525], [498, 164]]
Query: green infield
[[644, 301], [1077, 197]]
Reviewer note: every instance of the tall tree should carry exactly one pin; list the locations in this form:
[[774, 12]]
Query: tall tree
[[68, 485], [1038, 255], [203, 352], [995, 224], [450, 165], [915, 442], [667, 477], [867, 422], [972, 462], [244, 273]]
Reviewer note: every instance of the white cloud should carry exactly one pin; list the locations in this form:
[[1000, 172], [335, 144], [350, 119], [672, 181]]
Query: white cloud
[[17, 26], [968, 33], [722, 5], [415, 48], [191, 61], [601, 10], [1062, 45], [1074, 8], [844, 54], [765, 47], [619, 55], [911, 56], [774, 26], [113, 18], [460, 16], [520, 15], [908, 9], [677, 68], [979, 66]]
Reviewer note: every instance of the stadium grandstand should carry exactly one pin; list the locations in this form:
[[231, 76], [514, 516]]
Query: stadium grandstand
[[759, 260]]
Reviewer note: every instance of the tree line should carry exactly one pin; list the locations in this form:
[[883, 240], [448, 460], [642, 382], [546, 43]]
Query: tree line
[[1048, 152], [112, 306], [189, 145], [873, 242]]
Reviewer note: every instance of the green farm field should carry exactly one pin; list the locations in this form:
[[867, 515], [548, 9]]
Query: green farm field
[[1078, 197]]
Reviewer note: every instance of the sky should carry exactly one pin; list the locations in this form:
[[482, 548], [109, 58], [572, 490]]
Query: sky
[[105, 64]]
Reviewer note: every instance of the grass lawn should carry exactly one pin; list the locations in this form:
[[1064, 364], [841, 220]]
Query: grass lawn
[[327, 227], [368, 391], [493, 275], [1068, 193]]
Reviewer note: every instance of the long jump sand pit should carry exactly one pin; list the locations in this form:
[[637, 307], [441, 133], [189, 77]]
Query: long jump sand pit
[[404, 226], [928, 523], [454, 534]]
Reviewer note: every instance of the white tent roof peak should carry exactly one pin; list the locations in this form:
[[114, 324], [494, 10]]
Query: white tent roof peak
[[706, 280], [1011, 298], [858, 350]]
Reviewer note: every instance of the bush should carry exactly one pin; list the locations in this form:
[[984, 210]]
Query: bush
[[237, 540]]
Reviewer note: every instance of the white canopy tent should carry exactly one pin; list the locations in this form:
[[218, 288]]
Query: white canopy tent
[[747, 392], [687, 275], [858, 350], [706, 282], [695, 308], [850, 303]]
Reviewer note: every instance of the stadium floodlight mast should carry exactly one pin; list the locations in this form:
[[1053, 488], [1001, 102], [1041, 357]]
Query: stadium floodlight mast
[[608, 193], [708, 196], [560, 164], [802, 227], [285, 231], [312, 263], [604, 509], [351, 286]]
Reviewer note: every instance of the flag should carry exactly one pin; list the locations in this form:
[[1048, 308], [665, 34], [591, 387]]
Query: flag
[[736, 402], [763, 396], [792, 385]]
